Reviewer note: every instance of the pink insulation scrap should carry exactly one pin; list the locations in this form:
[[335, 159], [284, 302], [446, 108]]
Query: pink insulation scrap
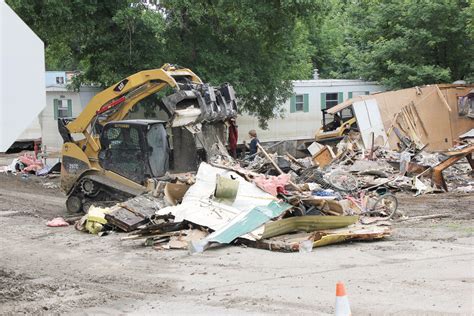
[[31, 163], [272, 184], [57, 222]]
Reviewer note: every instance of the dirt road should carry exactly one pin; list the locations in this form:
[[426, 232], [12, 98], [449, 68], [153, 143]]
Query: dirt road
[[425, 268]]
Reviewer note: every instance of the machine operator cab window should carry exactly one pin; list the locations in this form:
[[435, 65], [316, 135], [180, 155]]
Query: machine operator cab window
[[135, 150], [333, 121]]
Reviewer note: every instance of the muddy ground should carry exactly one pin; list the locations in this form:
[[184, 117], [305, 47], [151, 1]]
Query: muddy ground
[[425, 268]]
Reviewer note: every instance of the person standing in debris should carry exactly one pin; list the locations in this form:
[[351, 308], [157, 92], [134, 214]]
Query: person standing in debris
[[233, 136], [253, 143]]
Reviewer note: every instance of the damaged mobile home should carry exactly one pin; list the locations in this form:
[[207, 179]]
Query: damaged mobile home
[[431, 116]]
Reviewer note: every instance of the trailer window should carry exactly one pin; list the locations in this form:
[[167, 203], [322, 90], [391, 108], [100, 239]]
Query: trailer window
[[62, 108], [299, 103], [331, 100]]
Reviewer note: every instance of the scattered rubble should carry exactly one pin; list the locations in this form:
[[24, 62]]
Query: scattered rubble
[[30, 163], [281, 203]]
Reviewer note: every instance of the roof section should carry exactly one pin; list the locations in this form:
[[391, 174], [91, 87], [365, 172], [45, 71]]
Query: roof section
[[332, 82], [347, 103]]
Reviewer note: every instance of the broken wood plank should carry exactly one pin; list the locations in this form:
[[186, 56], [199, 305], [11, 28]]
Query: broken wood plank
[[425, 217], [292, 242], [437, 173], [295, 160]]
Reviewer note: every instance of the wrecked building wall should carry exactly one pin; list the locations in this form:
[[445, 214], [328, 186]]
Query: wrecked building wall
[[459, 124], [440, 123], [435, 120], [429, 107], [211, 134]]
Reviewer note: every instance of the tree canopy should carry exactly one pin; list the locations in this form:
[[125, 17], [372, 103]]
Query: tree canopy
[[399, 43], [259, 46]]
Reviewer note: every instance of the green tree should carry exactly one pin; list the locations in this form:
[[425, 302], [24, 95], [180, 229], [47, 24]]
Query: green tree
[[402, 43], [106, 40], [258, 46]]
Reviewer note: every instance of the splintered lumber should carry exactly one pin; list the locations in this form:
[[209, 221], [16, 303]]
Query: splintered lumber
[[270, 159], [437, 171], [415, 114], [151, 241], [294, 160], [392, 125], [156, 230], [432, 216], [292, 242]]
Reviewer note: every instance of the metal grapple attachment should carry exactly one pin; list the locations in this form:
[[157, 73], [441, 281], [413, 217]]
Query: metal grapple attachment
[[201, 103]]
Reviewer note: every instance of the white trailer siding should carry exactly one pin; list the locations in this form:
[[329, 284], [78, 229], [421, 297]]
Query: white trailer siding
[[48, 117], [22, 94], [302, 121]]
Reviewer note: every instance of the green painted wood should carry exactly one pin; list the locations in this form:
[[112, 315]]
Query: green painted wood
[[323, 101], [56, 106], [293, 104], [69, 108], [305, 102]]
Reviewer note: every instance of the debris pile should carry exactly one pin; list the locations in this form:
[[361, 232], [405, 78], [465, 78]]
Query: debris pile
[[28, 163], [282, 203], [230, 204]]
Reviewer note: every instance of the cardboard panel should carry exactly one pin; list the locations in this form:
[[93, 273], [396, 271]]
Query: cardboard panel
[[435, 117], [431, 109]]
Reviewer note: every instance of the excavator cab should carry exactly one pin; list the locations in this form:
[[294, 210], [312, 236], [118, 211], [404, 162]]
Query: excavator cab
[[135, 149]]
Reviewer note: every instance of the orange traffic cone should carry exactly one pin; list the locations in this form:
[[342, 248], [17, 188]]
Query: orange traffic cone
[[342, 302]]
